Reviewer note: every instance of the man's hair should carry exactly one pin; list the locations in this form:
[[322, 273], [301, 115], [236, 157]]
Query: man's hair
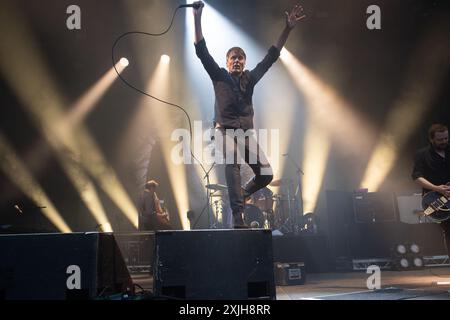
[[240, 50], [436, 127]]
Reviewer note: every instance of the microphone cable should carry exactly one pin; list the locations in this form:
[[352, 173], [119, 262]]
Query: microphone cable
[[127, 83]]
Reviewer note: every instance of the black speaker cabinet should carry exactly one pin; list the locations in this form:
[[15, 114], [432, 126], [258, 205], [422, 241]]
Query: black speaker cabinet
[[374, 207], [61, 266], [214, 265]]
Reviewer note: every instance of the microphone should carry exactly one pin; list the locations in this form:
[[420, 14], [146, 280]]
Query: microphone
[[18, 208], [192, 5]]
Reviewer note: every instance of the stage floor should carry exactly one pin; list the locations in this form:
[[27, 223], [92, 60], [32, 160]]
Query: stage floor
[[395, 285]]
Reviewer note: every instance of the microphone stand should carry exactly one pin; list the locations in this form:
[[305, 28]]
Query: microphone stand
[[298, 193], [208, 201], [208, 198]]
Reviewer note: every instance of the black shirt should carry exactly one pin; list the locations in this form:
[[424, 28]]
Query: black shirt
[[430, 165], [234, 106]]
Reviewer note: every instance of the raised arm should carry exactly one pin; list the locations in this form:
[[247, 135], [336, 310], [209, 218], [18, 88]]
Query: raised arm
[[292, 18], [274, 52], [198, 21], [201, 50]]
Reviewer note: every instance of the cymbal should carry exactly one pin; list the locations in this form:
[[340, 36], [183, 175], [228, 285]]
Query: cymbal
[[279, 182], [216, 187]]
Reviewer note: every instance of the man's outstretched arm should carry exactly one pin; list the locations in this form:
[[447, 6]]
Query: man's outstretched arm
[[201, 50], [198, 21], [292, 19]]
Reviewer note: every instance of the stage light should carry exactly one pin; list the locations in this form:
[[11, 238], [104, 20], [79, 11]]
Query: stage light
[[316, 151], [401, 249], [124, 62], [16, 170], [404, 263], [329, 118], [74, 147], [165, 59], [330, 111], [137, 138], [406, 257], [87, 102], [418, 262], [105, 228], [414, 248], [94, 162], [39, 94], [423, 79]]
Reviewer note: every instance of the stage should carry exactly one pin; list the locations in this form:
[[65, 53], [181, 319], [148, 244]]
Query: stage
[[395, 285]]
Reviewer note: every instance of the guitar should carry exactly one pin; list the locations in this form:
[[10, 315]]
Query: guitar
[[163, 217], [157, 215], [436, 206], [161, 214]]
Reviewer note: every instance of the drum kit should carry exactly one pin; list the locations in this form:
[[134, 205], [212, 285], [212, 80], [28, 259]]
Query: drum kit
[[263, 209]]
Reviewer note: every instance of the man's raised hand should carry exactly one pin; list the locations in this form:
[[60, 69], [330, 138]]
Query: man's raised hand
[[198, 8], [294, 16]]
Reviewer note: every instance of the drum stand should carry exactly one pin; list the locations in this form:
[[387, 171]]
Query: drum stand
[[209, 195], [293, 222]]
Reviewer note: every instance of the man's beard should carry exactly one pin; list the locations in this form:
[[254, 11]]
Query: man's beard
[[440, 147]]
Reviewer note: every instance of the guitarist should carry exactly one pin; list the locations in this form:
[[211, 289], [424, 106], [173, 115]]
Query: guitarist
[[432, 168], [151, 215]]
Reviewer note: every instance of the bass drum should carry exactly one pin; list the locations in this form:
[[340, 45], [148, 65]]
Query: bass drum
[[254, 217]]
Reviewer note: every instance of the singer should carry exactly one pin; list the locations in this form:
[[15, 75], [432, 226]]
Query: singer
[[234, 109]]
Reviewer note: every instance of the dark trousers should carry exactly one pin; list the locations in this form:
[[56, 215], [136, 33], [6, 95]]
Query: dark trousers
[[446, 232], [236, 150]]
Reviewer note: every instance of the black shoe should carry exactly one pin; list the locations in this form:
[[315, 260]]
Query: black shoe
[[238, 221]]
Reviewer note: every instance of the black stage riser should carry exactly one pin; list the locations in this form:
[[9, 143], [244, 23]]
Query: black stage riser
[[214, 264], [38, 266]]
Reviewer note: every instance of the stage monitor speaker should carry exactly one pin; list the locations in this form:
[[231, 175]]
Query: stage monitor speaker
[[61, 266], [214, 265]]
